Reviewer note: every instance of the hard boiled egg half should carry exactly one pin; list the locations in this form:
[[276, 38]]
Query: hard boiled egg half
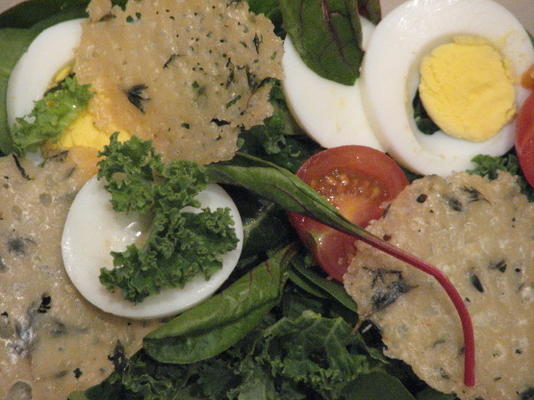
[[93, 229], [390, 77], [45, 63]]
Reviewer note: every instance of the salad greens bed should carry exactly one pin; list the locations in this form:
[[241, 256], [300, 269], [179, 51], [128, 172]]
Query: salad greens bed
[[278, 329]]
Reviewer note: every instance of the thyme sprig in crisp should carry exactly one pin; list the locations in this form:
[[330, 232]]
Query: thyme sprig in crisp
[[180, 244]]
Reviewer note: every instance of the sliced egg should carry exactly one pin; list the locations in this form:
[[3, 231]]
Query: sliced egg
[[33, 74], [390, 77], [331, 113], [93, 229]]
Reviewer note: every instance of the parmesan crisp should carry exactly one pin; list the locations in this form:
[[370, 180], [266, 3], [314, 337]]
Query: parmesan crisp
[[480, 234], [186, 74]]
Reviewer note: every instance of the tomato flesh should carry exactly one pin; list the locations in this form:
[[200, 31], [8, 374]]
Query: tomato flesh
[[524, 142], [358, 181]]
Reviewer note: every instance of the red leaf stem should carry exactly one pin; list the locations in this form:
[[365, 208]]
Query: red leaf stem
[[461, 309]]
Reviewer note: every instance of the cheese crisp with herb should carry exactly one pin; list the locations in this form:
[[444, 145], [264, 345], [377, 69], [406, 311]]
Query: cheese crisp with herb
[[481, 235], [186, 74]]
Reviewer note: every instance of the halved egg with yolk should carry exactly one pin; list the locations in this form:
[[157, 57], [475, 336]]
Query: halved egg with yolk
[[390, 78]]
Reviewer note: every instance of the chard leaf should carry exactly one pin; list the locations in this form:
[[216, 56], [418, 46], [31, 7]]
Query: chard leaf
[[224, 319], [327, 35], [371, 10]]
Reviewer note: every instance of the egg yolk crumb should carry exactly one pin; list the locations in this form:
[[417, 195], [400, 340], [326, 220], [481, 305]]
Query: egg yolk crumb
[[467, 88]]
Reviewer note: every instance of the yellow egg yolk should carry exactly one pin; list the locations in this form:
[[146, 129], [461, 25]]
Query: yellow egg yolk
[[82, 132], [467, 89]]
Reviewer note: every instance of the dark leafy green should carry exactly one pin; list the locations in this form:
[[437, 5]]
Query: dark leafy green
[[13, 43], [377, 386], [225, 318], [30, 13], [371, 10], [180, 244], [271, 9], [50, 116], [489, 166], [327, 35], [324, 287], [307, 356], [280, 139], [422, 119]]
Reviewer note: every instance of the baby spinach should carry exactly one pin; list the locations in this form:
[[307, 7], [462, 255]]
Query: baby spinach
[[327, 34], [224, 319], [13, 43]]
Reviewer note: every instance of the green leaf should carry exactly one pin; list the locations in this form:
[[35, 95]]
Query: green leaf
[[271, 9], [422, 119], [279, 139], [13, 43], [371, 10], [327, 35], [285, 189], [221, 321], [431, 394], [50, 116], [377, 386], [29, 13], [334, 289], [488, 166], [180, 244]]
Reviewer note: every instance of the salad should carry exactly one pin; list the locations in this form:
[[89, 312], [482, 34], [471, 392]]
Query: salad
[[279, 326]]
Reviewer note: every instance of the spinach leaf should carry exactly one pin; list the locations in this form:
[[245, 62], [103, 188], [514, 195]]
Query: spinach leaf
[[377, 386], [327, 35], [331, 288], [13, 43], [422, 119], [224, 319], [431, 394]]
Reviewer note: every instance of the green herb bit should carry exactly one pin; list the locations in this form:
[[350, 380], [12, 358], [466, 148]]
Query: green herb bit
[[51, 115], [180, 244], [422, 120], [488, 166]]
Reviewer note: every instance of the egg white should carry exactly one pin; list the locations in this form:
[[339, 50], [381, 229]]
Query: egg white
[[48, 53], [93, 229], [390, 77], [331, 113]]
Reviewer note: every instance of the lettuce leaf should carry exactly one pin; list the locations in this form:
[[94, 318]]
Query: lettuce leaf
[[50, 116]]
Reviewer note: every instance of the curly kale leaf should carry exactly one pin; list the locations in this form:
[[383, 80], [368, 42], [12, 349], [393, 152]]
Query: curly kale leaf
[[51, 115], [489, 166], [180, 244]]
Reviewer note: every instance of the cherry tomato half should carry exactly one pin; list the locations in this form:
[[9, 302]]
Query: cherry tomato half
[[524, 139], [358, 181]]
